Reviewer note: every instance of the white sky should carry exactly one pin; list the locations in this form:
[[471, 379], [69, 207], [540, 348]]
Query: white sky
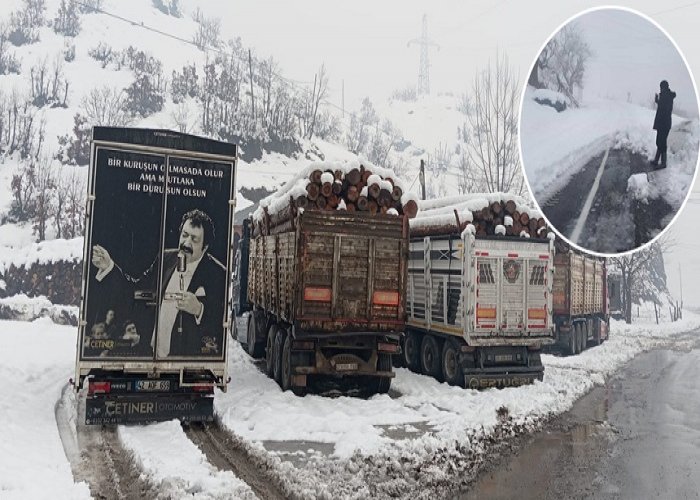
[[630, 57], [364, 42]]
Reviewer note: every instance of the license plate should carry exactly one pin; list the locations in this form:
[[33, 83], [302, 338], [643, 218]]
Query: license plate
[[153, 385], [346, 366], [503, 358]]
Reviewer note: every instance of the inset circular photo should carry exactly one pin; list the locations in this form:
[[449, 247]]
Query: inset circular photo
[[609, 130]]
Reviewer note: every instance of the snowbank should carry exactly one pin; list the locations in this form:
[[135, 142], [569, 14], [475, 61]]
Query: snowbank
[[175, 463], [37, 361], [44, 252]]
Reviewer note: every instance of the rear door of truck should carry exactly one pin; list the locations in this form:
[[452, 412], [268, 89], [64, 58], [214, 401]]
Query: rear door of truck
[[353, 272], [512, 289]]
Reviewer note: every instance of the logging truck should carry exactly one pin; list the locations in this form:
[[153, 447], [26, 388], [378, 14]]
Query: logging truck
[[580, 300], [478, 308], [319, 288]]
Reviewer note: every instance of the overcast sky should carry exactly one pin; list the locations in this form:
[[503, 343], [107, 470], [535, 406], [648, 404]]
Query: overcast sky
[[630, 57], [365, 43]]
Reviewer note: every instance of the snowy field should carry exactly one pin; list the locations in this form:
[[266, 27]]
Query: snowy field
[[334, 438]]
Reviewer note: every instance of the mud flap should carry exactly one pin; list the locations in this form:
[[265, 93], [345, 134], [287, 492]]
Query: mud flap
[[141, 409]]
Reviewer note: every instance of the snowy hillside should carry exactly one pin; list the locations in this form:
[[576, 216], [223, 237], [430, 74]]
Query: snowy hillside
[[137, 63]]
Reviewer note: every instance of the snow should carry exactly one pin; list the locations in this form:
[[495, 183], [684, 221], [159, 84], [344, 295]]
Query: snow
[[441, 211], [296, 185], [254, 403], [37, 361], [44, 252], [638, 187], [173, 462], [435, 416]]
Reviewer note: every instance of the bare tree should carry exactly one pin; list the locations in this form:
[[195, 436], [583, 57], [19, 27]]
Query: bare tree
[[74, 214], [361, 125], [180, 116], [639, 272], [106, 106], [319, 92], [566, 63], [8, 61], [208, 32], [49, 87], [491, 128], [45, 187]]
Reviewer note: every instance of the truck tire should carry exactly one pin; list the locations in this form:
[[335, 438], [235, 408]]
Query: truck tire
[[286, 364], [255, 343], [573, 341], [411, 351], [383, 384], [277, 355], [270, 350], [451, 367], [596, 334], [583, 339], [430, 357]]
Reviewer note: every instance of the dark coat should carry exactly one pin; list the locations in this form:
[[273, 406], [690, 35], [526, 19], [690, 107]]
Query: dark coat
[[664, 109]]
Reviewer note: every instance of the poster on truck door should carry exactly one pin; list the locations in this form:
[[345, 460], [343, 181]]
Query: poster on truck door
[[158, 246]]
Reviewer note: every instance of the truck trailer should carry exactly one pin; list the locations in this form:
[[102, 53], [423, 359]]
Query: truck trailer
[[153, 324], [580, 302], [325, 297], [479, 308]]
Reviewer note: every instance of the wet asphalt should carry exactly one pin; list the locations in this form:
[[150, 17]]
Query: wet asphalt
[[636, 437], [616, 223]]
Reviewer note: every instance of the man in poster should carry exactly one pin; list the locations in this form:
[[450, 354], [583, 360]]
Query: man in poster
[[190, 317]]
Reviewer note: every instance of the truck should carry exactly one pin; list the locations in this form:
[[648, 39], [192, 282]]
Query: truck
[[580, 300], [153, 325], [479, 308], [325, 297]]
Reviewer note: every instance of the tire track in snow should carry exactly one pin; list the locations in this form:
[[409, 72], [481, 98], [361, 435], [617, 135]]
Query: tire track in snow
[[227, 452], [96, 454]]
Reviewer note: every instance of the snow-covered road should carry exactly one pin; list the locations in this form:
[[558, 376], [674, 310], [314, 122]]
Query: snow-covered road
[[425, 436]]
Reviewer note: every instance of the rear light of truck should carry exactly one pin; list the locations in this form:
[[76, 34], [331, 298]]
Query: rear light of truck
[[202, 388], [385, 298], [315, 294], [99, 388], [387, 347]]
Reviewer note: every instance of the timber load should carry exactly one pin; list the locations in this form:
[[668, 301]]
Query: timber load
[[486, 214], [331, 186]]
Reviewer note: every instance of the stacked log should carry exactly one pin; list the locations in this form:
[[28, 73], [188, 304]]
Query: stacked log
[[488, 216], [351, 190]]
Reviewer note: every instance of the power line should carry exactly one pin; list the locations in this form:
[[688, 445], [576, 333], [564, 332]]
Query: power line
[[673, 9]]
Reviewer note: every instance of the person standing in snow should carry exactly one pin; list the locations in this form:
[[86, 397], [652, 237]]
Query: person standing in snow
[[662, 122]]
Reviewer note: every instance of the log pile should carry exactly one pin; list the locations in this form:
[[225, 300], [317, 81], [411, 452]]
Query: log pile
[[357, 189], [489, 214]]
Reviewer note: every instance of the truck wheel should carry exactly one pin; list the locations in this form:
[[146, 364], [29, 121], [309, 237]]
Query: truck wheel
[[250, 335], [584, 336], [382, 384], [286, 367], [596, 335], [451, 368], [277, 355], [270, 351], [430, 357], [573, 341], [411, 351]]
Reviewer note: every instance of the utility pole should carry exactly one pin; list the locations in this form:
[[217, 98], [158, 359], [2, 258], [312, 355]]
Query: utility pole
[[252, 95], [424, 68], [422, 178]]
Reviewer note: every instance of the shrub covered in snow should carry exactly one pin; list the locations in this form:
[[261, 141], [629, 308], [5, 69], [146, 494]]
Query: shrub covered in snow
[[551, 98]]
